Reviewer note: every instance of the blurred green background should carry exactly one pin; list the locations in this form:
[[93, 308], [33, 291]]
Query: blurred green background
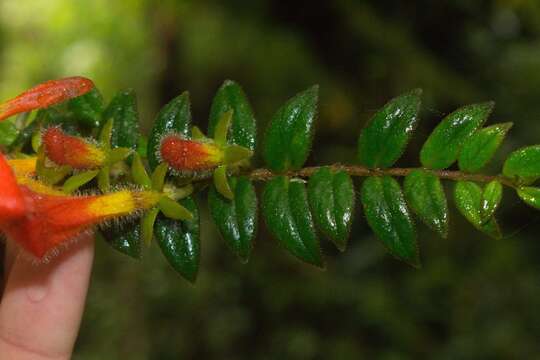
[[474, 298]]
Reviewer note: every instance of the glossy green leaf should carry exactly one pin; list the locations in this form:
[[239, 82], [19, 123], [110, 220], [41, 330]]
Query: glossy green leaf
[[288, 217], [468, 198], [123, 111], [523, 165], [243, 129], [530, 195], [491, 199], [236, 219], [221, 182], [481, 146], [78, 180], [173, 210], [147, 226], [289, 135], [387, 214], [125, 238], [8, 132], [179, 241], [445, 142], [88, 108], [175, 117], [425, 195], [331, 198], [385, 137]]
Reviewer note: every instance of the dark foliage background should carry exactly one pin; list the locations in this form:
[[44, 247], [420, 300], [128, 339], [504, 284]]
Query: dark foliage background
[[475, 298]]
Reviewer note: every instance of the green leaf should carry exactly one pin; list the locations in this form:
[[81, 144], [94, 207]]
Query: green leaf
[[287, 215], [173, 210], [523, 165], [385, 137], [331, 197], [175, 117], [125, 238], [87, 109], [76, 181], [481, 146], [142, 146], [23, 136], [444, 144], [491, 198], [289, 135], [530, 195], [468, 198], [179, 241], [236, 219], [243, 130], [123, 111], [8, 132], [221, 182], [387, 214], [425, 196]]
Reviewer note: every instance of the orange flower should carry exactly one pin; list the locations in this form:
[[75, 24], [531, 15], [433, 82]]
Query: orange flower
[[40, 218], [70, 150], [46, 94], [189, 156]]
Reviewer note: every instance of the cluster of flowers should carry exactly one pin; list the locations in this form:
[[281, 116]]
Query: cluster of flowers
[[41, 217]]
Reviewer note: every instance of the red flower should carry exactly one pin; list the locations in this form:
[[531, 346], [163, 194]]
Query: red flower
[[189, 156], [40, 218], [70, 150], [46, 94]]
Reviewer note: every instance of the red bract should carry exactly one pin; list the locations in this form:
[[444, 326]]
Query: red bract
[[189, 155], [70, 150], [46, 94]]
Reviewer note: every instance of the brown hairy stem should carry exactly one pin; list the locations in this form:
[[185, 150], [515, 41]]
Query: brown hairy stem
[[356, 170]]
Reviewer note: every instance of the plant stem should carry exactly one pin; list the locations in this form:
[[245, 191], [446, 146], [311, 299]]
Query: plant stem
[[356, 170]]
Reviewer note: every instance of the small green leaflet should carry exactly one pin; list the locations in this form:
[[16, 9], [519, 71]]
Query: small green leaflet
[[385, 137], [425, 195], [286, 211], [243, 130], [331, 197], [480, 147], [468, 198], [123, 111], [530, 195], [179, 241], [523, 165], [236, 219], [289, 135], [387, 214], [445, 142]]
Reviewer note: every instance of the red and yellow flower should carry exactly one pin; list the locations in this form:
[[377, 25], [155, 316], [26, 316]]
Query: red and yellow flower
[[190, 156], [63, 149], [40, 218]]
